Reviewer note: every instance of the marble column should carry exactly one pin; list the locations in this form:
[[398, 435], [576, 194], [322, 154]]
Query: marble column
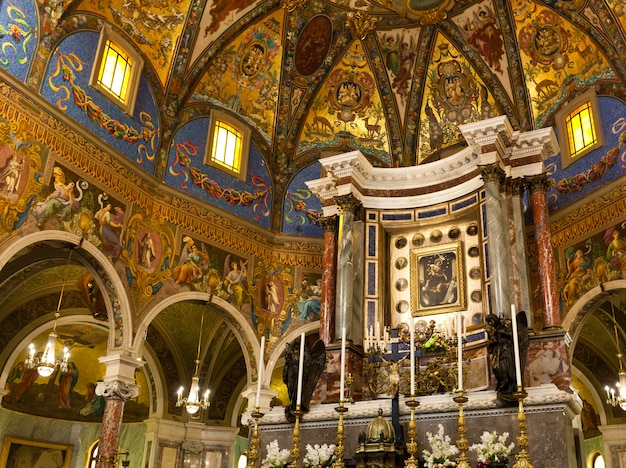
[[115, 393], [519, 249], [329, 275], [499, 254], [345, 264], [545, 257]]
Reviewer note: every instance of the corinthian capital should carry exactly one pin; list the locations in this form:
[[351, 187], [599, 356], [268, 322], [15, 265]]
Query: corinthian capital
[[117, 390]]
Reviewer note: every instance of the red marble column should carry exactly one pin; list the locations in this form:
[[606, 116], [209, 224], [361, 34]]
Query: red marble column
[[329, 276], [115, 393], [545, 256]]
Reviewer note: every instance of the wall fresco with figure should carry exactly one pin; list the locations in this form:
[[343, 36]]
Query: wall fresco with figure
[[592, 261], [70, 393]]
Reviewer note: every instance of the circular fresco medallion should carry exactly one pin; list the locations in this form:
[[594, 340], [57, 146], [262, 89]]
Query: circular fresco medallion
[[253, 59], [477, 296], [401, 242], [547, 41], [472, 230], [474, 273], [436, 235], [454, 233], [401, 263], [313, 45], [402, 307], [418, 240], [402, 284], [473, 251]]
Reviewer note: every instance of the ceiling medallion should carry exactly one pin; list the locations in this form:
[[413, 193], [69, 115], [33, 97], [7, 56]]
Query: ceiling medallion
[[429, 11], [360, 24]]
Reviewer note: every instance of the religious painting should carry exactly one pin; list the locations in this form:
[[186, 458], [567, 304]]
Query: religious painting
[[309, 297], [437, 279], [313, 45], [17, 452]]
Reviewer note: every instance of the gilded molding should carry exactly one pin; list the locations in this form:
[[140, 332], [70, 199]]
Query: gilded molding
[[586, 220]]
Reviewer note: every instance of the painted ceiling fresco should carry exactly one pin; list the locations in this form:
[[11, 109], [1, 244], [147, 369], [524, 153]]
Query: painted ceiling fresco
[[391, 78]]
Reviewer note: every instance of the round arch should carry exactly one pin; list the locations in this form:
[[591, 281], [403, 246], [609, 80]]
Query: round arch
[[118, 305]]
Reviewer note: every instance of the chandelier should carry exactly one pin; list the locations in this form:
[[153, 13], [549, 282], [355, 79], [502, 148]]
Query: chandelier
[[193, 403], [46, 362], [617, 397]]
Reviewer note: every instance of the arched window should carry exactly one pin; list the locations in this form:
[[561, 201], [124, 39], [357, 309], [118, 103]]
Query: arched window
[[228, 144], [579, 128], [117, 69]]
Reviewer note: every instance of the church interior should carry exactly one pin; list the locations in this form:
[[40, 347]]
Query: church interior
[[226, 225]]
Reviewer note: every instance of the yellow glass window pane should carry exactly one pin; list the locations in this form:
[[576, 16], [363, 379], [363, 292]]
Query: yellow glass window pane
[[227, 146], [580, 129], [115, 71]]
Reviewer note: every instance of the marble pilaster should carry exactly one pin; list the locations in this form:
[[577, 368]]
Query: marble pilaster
[[345, 264], [329, 277], [115, 393], [547, 266], [519, 249], [498, 240]]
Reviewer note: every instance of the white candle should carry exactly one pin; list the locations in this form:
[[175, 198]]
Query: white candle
[[257, 402], [518, 370], [300, 369], [459, 336], [343, 363], [412, 351]]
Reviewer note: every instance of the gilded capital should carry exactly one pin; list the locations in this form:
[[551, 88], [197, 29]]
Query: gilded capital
[[347, 202], [329, 223], [492, 173], [538, 183], [517, 187]]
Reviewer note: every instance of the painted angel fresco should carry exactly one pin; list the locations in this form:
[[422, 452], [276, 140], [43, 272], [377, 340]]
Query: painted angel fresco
[[191, 263], [235, 280]]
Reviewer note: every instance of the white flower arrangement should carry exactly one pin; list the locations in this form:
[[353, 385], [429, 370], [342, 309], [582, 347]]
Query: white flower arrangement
[[492, 450], [319, 455], [441, 450], [275, 458]]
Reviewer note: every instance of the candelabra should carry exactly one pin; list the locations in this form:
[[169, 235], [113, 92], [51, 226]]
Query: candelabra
[[253, 451], [522, 458], [462, 444], [114, 458], [295, 446], [339, 448], [411, 446]]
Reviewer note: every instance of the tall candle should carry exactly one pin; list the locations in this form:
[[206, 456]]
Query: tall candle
[[343, 363], [257, 402], [412, 351], [518, 369], [459, 336], [300, 369]]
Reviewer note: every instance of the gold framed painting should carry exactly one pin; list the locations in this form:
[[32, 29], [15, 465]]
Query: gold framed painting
[[437, 279], [18, 452]]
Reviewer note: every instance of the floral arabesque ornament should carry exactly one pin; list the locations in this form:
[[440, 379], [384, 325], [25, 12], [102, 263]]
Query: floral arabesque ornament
[[441, 450], [275, 458], [319, 456], [493, 452]]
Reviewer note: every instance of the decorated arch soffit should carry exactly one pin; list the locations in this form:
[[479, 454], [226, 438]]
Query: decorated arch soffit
[[457, 95], [348, 110], [252, 63], [155, 28], [557, 57]]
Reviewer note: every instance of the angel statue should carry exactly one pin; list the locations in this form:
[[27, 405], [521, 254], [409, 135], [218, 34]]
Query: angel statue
[[314, 363]]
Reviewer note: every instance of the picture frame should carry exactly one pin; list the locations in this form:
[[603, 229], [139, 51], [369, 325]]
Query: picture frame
[[17, 452], [437, 279]]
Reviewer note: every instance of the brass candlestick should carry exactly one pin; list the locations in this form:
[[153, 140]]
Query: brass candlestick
[[253, 451], [522, 458], [295, 446], [462, 460], [411, 446], [339, 449]]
